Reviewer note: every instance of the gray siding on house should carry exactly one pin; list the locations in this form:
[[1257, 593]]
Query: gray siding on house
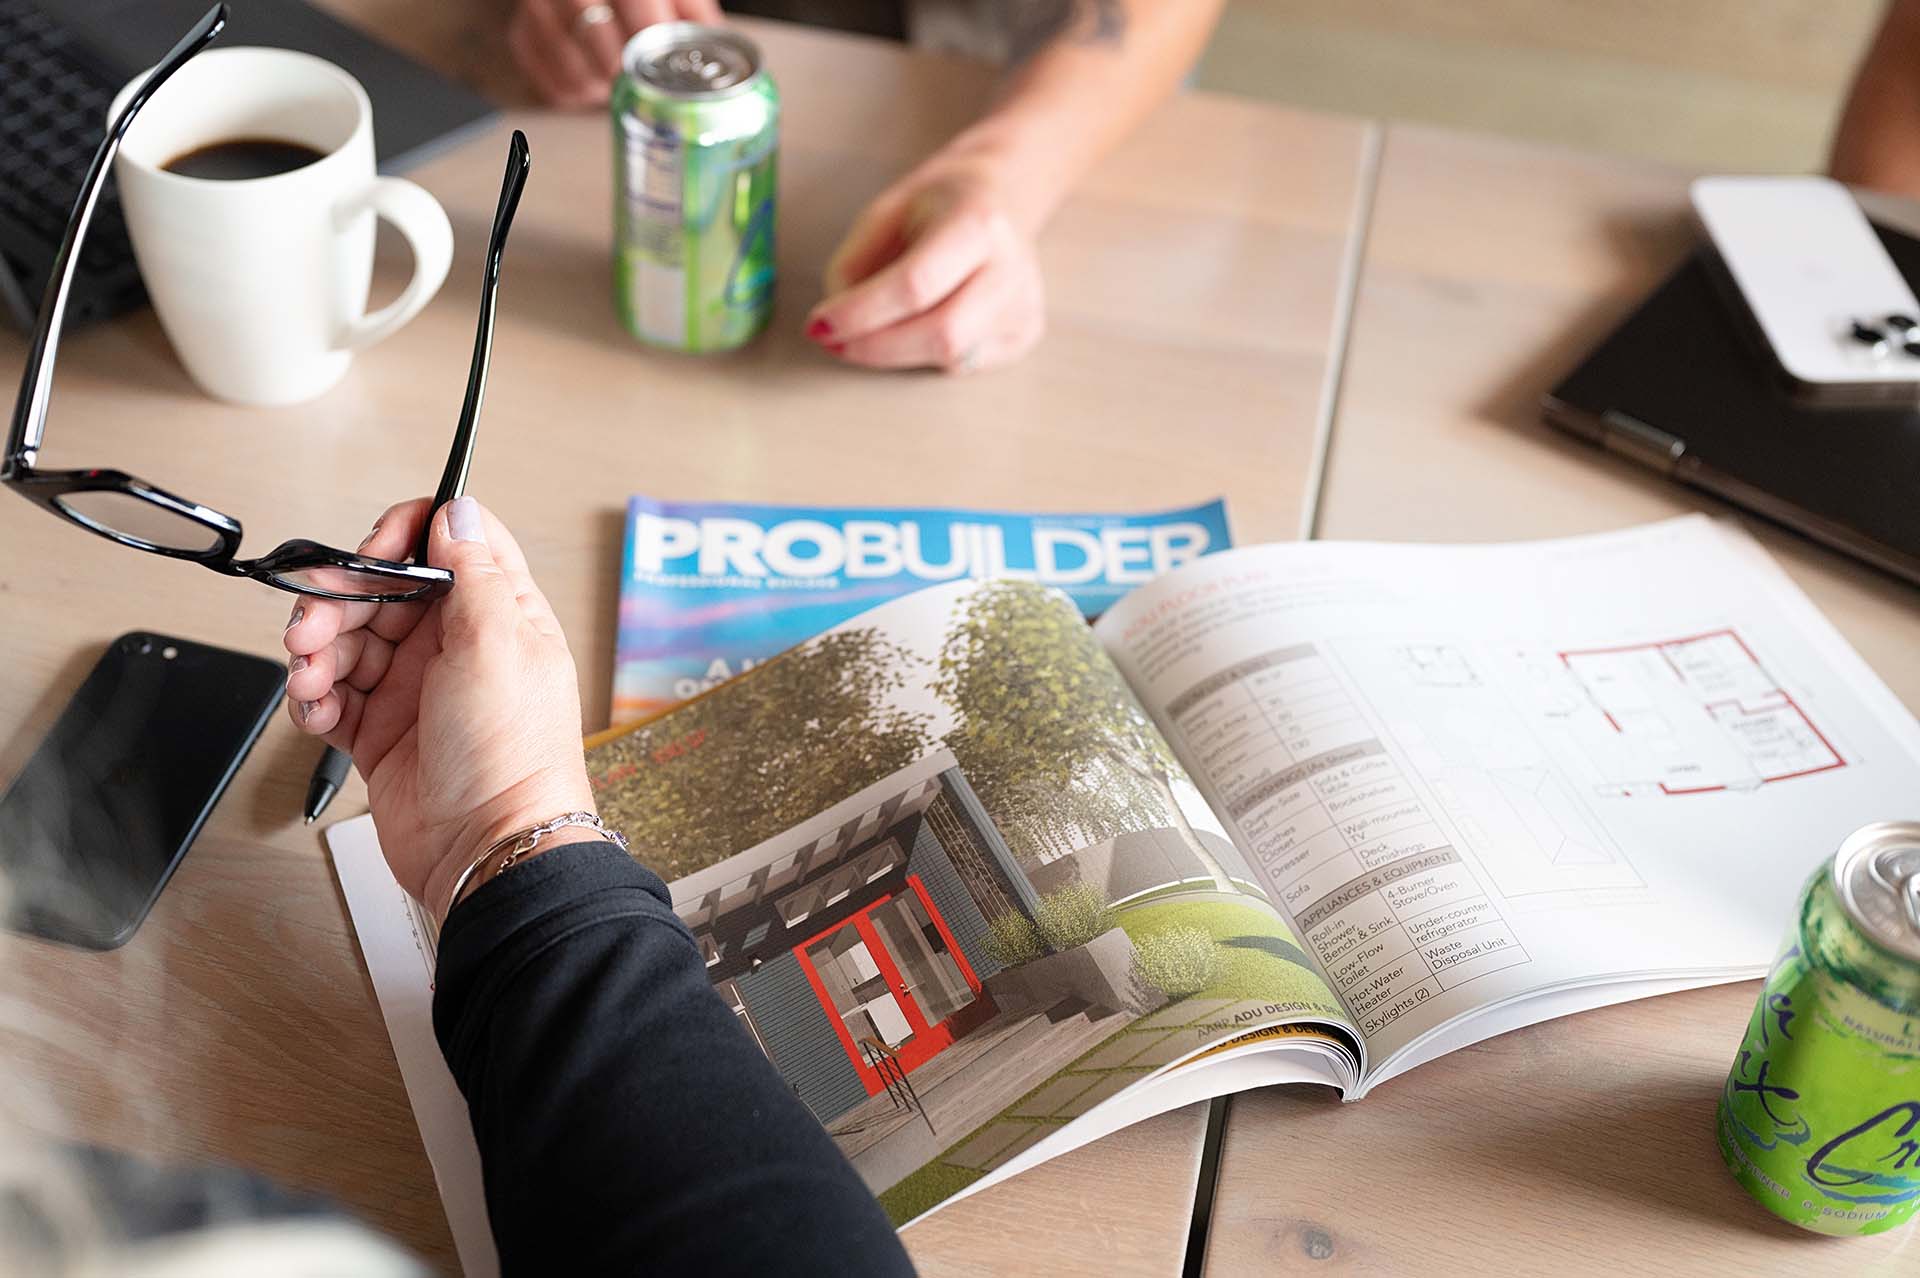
[[963, 918], [799, 1037]]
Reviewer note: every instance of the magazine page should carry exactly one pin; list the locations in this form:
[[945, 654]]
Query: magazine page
[[955, 885], [710, 589], [1475, 775]]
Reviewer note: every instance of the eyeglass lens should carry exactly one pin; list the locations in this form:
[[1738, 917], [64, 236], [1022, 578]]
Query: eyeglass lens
[[345, 581], [125, 515]]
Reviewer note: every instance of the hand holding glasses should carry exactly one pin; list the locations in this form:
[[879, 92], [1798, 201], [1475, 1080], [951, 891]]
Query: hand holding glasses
[[134, 513]]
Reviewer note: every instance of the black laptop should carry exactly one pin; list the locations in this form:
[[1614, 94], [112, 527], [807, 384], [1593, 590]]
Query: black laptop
[[62, 61], [1679, 388]]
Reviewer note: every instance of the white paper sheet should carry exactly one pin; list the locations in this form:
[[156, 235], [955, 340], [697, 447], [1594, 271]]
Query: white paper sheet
[[400, 960]]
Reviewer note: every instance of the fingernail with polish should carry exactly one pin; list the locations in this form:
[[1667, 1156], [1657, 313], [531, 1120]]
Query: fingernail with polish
[[306, 711], [368, 539], [463, 520], [296, 665], [819, 328], [299, 614]]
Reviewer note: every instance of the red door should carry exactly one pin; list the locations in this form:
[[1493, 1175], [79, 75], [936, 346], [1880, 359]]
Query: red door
[[892, 977]]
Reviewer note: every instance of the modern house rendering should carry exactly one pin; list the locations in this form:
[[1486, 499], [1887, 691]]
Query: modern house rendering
[[853, 947]]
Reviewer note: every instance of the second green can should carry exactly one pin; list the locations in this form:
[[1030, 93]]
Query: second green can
[[696, 139], [1820, 1115]]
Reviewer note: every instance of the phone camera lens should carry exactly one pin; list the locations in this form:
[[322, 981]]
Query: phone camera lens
[[1870, 337], [146, 646]]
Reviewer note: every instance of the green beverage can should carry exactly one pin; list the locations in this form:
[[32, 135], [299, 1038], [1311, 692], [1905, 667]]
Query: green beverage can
[[696, 136], [1820, 1116]]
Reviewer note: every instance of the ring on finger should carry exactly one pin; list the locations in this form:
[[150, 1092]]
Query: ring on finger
[[592, 16]]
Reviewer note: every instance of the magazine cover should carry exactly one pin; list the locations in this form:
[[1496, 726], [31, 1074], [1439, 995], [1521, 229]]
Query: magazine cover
[[709, 589]]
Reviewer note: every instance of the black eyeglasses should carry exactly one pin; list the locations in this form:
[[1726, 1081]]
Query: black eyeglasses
[[128, 510]]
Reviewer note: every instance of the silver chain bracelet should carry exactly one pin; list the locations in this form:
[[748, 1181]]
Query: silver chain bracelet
[[519, 844]]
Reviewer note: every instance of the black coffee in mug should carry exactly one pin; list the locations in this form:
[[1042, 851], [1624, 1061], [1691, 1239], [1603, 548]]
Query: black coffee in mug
[[238, 159]]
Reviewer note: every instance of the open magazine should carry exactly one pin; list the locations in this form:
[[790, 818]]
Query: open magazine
[[985, 883]]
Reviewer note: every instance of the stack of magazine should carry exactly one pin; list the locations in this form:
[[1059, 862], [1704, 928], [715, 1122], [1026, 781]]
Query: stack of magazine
[[986, 883]]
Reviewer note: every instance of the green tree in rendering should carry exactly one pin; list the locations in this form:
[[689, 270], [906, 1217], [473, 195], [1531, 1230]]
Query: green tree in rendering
[[1040, 713], [1047, 819], [760, 754]]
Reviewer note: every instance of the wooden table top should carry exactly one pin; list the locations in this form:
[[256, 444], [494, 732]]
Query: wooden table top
[[1192, 303], [1583, 1145]]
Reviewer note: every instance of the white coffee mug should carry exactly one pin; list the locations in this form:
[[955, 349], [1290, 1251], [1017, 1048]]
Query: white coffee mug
[[261, 283]]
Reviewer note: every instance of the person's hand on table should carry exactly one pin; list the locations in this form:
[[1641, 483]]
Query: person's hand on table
[[940, 271], [569, 50], [462, 713]]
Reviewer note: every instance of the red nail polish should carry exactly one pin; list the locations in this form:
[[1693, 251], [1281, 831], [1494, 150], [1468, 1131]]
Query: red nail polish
[[819, 328]]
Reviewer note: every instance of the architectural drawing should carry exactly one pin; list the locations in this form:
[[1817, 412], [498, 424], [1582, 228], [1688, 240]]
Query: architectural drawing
[[1517, 740], [1489, 759], [1438, 665], [1696, 715]]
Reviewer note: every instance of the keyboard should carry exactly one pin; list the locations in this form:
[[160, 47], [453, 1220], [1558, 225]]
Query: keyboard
[[53, 113]]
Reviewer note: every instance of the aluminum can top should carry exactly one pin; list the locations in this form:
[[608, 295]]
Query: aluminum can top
[[689, 60], [1876, 875]]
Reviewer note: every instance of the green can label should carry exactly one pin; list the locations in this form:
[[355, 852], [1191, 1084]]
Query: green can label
[[1820, 1116], [696, 142]]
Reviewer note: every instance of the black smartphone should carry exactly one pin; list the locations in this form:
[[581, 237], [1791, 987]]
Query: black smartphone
[[95, 823]]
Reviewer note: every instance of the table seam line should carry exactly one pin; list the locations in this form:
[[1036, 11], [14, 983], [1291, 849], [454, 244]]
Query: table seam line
[[1345, 303]]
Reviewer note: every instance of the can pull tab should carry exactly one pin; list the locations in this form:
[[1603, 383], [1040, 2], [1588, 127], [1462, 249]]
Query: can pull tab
[[1901, 881]]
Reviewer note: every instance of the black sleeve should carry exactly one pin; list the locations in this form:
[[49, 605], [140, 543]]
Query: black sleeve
[[626, 1122]]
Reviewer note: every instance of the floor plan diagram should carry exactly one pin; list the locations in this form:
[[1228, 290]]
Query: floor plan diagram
[[1489, 759], [1695, 715], [1527, 747]]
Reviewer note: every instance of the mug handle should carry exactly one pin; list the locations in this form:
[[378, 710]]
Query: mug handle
[[420, 219]]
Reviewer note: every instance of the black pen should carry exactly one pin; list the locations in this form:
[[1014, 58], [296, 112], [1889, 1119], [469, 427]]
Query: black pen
[[328, 776], [331, 772]]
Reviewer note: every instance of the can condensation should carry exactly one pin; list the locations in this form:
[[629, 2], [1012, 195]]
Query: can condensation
[[1820, 1116], [696, 134]]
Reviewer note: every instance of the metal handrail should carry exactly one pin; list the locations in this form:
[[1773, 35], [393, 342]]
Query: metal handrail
[[884, 1061], [878, 1046]]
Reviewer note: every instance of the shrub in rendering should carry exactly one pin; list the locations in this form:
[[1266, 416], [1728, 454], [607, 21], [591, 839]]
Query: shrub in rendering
[[1012, 939], [1072, 915], [1177, 961]]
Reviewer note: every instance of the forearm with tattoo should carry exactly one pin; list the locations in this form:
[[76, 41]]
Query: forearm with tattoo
[[1036, 23]]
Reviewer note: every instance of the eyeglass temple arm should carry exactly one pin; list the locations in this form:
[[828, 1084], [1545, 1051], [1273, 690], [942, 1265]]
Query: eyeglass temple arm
[[453, 480], [36, 381]]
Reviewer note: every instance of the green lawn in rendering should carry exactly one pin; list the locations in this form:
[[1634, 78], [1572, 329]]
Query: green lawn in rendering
[[1246, 972], [925, 1189]]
